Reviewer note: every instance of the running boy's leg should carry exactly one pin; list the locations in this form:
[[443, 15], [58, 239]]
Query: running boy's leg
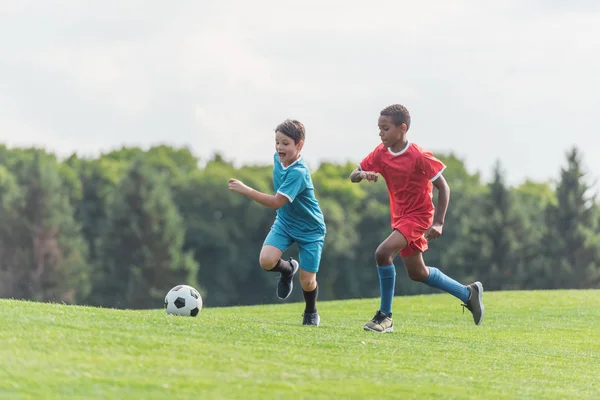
[[470, 295], [310, 259], [412, 256], [384, 256], [276, 242]]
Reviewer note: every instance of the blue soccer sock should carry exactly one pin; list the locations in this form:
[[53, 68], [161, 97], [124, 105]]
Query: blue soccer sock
[[387, 284], [439, 280]]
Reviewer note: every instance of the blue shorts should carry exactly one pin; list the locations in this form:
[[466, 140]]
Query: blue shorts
[[309, 248]]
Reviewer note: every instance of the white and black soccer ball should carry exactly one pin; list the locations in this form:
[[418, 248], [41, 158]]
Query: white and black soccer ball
[[183, 300]]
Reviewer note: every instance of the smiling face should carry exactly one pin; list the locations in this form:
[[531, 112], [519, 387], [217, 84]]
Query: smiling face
[[286, 148], [289, 139]]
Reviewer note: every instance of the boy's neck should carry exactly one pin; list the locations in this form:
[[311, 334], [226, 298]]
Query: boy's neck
[[398, 147], [291, 162]]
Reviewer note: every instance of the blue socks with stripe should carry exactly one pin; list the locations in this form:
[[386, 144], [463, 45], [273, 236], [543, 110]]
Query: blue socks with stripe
[[439, 280], [387, 284]]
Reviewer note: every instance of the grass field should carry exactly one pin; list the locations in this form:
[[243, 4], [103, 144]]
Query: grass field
[[531, 345]]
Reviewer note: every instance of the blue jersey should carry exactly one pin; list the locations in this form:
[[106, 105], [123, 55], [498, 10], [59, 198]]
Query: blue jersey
[[301, 216]]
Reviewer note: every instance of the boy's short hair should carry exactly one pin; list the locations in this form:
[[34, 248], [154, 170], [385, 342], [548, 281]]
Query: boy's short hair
[[293, 129], [398, 113]]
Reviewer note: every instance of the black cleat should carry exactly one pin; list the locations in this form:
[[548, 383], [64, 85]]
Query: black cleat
[[311, 319], [475, 302], [285, 283], [381, 323]]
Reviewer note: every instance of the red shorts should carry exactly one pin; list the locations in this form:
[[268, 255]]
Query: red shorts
[[413, 229]]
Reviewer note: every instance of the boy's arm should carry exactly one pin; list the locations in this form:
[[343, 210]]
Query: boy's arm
[[443, 199], [435, 230], [267, 200], [367, 168], [355, 176], [358, 175]]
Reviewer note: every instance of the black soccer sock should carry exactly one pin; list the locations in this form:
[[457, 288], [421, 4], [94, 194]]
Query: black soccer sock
[[283, 266], [311, 300]]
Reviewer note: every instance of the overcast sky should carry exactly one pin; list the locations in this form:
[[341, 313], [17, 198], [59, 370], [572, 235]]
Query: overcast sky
[[515, 80]]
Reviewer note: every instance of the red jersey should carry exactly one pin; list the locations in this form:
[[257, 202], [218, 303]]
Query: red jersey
[[408, 175]]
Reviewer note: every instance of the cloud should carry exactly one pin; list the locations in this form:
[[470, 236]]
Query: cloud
[[510, 80]]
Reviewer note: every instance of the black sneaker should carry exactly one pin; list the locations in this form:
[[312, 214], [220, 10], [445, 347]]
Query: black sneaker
[[475, 302], [285, 284], [311, 319], [381, 323]]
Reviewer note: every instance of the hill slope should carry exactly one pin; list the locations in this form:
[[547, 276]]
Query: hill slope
[[530, 345]]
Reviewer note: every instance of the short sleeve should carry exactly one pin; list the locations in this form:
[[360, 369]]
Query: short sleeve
[[293, 184], [371, 162], [431, 166]]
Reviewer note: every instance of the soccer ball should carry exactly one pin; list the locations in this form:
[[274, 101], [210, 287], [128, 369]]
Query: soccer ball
[[183, 300]]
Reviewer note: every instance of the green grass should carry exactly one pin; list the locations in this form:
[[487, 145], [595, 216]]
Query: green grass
[[533, 345]]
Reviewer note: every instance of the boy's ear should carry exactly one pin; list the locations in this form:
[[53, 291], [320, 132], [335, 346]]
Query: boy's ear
[[403, 127], [300, 145]]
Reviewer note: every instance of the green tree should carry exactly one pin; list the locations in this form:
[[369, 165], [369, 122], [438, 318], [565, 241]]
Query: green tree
[[537, 195], [46, 239], [142, 255], [12, 253], [226, 232], [571, 251], [98, 181], [174, 163], [506, 237]]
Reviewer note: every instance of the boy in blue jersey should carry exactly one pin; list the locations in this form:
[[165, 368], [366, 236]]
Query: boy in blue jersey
[[299, 219]]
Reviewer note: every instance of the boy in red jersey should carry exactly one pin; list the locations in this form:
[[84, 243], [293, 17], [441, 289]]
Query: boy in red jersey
[[410, 174]]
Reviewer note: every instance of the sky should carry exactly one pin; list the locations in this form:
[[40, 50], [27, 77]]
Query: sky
[[514, 81]]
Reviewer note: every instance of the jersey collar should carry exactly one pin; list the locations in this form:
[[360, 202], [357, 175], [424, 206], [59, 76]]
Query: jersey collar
[[297, 160], [401, 151]]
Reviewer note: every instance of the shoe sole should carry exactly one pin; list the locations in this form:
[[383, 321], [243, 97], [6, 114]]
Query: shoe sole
[[480, 299], [296, 267], [386, 330]]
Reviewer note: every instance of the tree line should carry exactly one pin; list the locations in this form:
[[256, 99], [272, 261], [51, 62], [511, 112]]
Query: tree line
[[120, 229]]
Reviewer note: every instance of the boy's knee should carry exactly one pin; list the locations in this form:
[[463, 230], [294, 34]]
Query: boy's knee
[[383, 256], [308, 281], [267, 261]]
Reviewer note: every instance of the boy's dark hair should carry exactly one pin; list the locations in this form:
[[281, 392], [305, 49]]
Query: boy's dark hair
[[293, 129], [398, 113]]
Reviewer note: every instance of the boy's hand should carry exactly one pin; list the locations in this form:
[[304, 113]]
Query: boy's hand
[[434, 232], [369, 176], [238, 186]]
